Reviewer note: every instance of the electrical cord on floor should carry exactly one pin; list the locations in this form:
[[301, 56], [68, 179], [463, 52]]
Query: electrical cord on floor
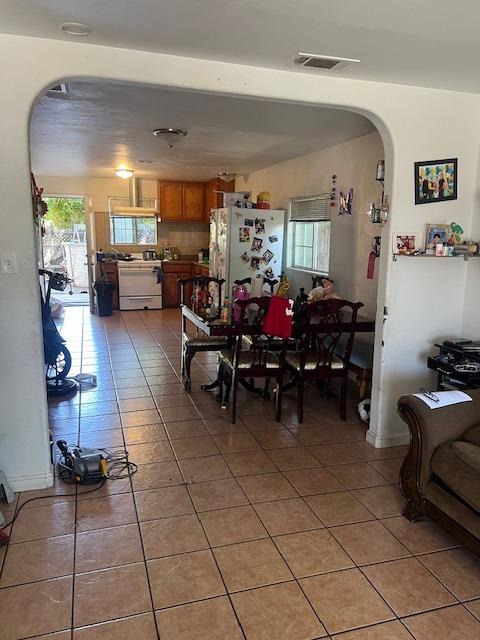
[[119, 467]]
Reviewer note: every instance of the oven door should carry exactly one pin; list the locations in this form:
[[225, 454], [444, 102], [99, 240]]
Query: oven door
[[138, 281]]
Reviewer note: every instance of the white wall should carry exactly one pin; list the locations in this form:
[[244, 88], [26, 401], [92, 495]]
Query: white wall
[[415, 124], [355, 164]]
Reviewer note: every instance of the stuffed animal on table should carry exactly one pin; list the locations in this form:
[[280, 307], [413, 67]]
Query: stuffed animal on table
[[283, 287], [324, 291]]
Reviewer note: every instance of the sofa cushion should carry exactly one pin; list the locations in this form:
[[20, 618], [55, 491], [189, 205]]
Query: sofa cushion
[[457, 464], [473, 435]]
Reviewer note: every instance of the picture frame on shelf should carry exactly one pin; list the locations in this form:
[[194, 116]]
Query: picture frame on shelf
[[436, 180], [404, 243], [437, 234]]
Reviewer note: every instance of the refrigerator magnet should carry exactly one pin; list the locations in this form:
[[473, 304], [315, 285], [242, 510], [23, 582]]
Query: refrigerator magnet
[[259, 225], [273, 238], [245, 257], [267, 256], [248, 222], [257, 244], [255, 264], [269, 273], [244, 234]]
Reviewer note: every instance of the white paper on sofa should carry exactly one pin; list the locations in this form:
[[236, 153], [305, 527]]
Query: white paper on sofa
[[445, 398]]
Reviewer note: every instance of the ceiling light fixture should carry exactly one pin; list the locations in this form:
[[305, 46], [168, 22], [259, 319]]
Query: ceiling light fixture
[[124, 173], [75, 28], [226, 176], [171, 135]]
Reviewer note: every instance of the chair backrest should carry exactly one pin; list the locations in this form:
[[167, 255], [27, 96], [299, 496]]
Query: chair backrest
[[266, 281], [205, 292], [252, 315], [326, 321]]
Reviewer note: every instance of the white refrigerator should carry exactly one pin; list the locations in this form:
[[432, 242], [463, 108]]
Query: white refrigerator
[[246, 243]]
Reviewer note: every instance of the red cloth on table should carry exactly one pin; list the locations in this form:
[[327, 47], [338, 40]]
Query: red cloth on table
[[278, 319]]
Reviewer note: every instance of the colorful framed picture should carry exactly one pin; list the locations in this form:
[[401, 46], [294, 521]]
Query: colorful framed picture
[[437, 234], [404, 243], [435, 180]]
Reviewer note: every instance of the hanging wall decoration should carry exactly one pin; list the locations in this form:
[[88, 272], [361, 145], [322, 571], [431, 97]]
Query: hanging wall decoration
[[435, 180], [346, 201], [333, 191]]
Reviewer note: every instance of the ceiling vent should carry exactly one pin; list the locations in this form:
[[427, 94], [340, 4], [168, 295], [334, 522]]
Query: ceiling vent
[[60, 88], [324, 63]]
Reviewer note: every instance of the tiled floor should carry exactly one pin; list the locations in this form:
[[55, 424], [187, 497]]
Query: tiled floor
[[258, 531]]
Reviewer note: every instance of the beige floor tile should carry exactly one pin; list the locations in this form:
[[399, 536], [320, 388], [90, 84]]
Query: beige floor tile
[[385, 631], [60, 635], [217, 494], [474, 607], [366, 452], [111, 511], [141, 626], [44, 522], [407, 586], [145, 433], [195, 447], [206, 620], [171, 536], [420, 537], [37, 560], [105, 548], [349, 432], [139, 418], [250, 463], [390, 469], [383, 502], [164, 502], [184, 578], [313, 436], [276, 439], [279, 611], [133, 392], [156, 475], [287, 516], [458, 570], [251, 564], [312, 552], [173, 414], [331, 454], [256, 423], [263, 488], [105, 438], [223, 426], [229, 526], [338, 508], [35, 609], [204, 469], [186, 429], [236, 442], [358, 476], [59, 489], [345, 600], [150, 452], [110, 593], [368, 542], [312, 481], [136, 404], [293, 458], [172, 400], [452, 623]]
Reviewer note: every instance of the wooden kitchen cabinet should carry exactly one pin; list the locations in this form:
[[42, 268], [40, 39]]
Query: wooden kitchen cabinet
[[170, 286], [182, 201], [111, 271], [214, 199], [200, 269]]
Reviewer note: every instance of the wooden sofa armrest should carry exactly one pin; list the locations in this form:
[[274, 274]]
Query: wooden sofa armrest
[[428, 429]]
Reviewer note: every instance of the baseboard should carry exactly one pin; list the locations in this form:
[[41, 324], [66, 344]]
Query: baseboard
[[387, 441], [29, 483]]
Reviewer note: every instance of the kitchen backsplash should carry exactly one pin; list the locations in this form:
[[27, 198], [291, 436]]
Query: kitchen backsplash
[[189, 238]]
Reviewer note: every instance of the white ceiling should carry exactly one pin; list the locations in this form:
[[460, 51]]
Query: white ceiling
[[97, 127], [433, 44]]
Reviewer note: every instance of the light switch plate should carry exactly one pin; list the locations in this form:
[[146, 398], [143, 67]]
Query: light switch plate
[[8, 262]]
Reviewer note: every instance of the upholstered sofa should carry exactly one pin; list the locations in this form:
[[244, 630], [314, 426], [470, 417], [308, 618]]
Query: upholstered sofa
[[440, 475]]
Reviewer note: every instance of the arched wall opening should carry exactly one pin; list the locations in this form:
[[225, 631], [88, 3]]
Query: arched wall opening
[[399, 114]]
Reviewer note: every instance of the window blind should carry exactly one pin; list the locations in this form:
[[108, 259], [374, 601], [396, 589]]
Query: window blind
[[310, 208]]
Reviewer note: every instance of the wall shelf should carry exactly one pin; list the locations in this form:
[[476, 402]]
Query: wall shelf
[[465, 257]]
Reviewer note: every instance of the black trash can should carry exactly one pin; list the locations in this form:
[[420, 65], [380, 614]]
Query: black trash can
[[104, 292]]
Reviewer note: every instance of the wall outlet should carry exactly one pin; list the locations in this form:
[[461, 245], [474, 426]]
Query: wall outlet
[[8, 262]]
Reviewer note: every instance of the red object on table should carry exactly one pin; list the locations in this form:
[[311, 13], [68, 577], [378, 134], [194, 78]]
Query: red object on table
[[279, 317]]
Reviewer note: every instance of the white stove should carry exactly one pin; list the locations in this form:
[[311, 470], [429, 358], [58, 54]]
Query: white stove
[[138, 284]]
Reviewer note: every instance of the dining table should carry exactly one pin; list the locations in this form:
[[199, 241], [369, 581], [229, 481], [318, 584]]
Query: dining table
[[211, 325]]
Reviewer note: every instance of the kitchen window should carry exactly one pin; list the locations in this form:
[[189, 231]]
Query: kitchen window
[[133, 230], [309, 233]]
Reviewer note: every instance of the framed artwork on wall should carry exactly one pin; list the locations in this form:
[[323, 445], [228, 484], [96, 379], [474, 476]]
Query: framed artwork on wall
[[404, 243], [437, 234], [435, 180]]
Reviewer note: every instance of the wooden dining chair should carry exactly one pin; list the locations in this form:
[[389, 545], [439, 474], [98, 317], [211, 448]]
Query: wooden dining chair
[[266, 281], [260, 361], [194, 292], [326, 322]]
